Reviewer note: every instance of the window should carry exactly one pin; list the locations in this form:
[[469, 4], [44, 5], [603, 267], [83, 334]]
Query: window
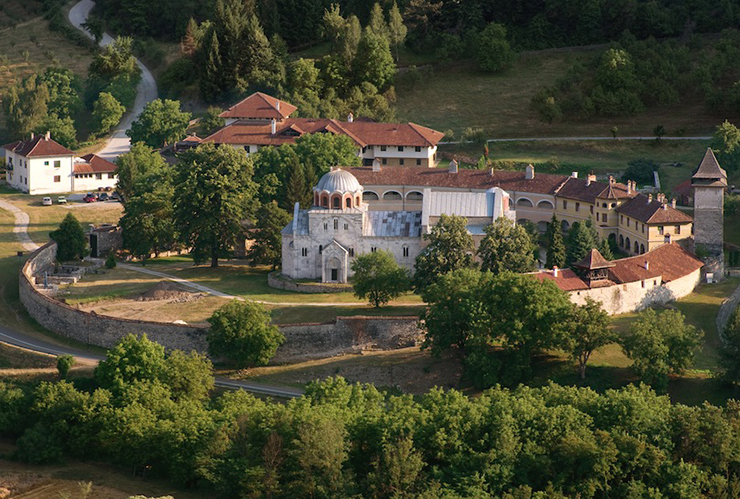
[[523, 202], [628, 222], [406, 251], [99, 176], [660, 230], [352, 252], [373, 249], [57, 178], [400, 148], [248, 149], [383, 148], [336, 224], [57, 163], [369, 196], [335, 203], [414, 196], [321, 249], [667, 238], [603, 205], [326, 226], [346, 226], [591, 209], [677, 229], [604, 218], [643, 283], [392, 196], [614, 205], [348, 202], [597, 217], [578, 206], [418, 162], [565, 205], [400, 162], [385, 161], [111, 175], [25, 180], [621, 219], [643, 228], [46, 163], [364, 150], [417, 148], [304, 251]]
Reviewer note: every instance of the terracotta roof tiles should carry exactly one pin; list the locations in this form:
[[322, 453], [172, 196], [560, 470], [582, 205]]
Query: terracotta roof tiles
[[567, 280], [94, 164], [593, 260], [582, 190], [37, 146], [260, 106], [652, 211], [670, 261]]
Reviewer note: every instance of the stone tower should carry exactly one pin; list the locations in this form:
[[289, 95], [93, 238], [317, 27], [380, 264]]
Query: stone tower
[[709, 182]]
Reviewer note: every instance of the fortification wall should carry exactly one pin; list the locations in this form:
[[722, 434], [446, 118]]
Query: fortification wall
[[302, 341]]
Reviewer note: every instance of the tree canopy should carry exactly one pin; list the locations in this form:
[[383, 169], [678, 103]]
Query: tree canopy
[[378, 277], [70, 239], [506, 247], [160, 124], [449, 247]]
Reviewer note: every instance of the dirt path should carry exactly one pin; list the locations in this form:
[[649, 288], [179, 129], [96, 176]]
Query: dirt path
[[21, 226], [118, 143]]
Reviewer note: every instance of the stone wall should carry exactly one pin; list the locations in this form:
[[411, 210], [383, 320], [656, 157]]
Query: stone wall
[[302, 341], [278, 281]]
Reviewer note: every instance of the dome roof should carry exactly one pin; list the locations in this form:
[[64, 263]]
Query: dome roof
[[338, 180]]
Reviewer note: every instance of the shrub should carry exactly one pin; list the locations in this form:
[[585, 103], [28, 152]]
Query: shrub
[[64, 364], [110, 262]]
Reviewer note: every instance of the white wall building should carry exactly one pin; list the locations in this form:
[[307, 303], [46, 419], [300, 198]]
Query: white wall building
[[41, 165]]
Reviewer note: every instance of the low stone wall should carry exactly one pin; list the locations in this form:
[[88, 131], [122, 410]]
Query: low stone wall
[[278, 281], [302, 341]]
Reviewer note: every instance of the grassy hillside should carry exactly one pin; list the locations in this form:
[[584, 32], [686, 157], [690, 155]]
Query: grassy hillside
[[457, 96], [16, 12]]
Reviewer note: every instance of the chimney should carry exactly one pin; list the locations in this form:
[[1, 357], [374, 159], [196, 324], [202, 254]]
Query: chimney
[[590, 178], [47, 136], [529, 172], [629, 187], [574, 174], [555, 271], [492, 171], [32, 136], [673, 203], [647, 265], [650, 198], [278, 105], [665, 206], [453, 166], [273, 126], [350, 118], [611, 179], [376, 165]]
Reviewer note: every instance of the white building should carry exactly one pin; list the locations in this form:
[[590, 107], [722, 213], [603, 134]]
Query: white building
[[321, 242], [41, 165]]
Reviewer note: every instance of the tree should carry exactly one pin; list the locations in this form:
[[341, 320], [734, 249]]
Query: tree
[[114, 59], [555, 245], [492, 49], [590, 331], [659, 131], [214, 193], [64, 364], [730, 349], [160, 124], [61, 130], [726, 143], [378, 277], [210, 83], [25, 106], [318, 152], [188, 375], [141, 162], [298, 189], [107, 112], [396, 29], [377, 24], [70, 239], [579, 242], [95, 26], [147, 221], [449, 248], [212, 122], [506, 247], [453, 309], [661, 343], [132, 359], [267, 246], [241, 331], [373, 62]]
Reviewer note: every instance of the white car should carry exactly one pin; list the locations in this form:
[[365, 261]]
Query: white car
[[62, 200], [46, 201]]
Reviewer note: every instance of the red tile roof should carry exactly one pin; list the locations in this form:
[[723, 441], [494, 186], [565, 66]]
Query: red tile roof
[[582, 190], [363, 133], [567, 280], [260, 106], [593, 260], [94, 164], [670, 261], [684, 188], [542, 183], [709, 168], [38, 146], [643, 209]]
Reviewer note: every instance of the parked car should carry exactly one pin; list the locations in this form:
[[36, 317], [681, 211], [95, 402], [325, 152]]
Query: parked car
[[114, 196], [103, 196], [62, 200], [46, 201], [90, 197]]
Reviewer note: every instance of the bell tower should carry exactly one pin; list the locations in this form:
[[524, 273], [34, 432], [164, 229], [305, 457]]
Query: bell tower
[[709, 182]]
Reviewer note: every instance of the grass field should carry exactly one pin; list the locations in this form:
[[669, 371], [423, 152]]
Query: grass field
[[457, 97], [599, 156]]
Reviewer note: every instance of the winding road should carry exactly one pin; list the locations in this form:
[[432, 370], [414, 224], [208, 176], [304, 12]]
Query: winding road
[[146, 92]]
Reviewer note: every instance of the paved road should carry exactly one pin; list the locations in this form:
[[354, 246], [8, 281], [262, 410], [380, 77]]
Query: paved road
[[118, 143]]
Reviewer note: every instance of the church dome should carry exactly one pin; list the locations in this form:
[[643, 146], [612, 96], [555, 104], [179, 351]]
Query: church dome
[[338, 180]]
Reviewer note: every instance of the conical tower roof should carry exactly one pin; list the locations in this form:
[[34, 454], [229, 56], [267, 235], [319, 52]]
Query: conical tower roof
[[593, 261], [709, 169]]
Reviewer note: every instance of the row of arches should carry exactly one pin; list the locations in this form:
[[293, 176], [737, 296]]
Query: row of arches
[[527, 203], [637, 248], [336, 201], [392, 196]]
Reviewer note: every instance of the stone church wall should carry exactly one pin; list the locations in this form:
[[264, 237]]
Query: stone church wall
[[302, 341]]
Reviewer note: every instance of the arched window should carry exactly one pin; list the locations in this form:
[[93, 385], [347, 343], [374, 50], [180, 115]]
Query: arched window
[[542, 226], [621, 241], [545, 205], [637, 247], [369, 196], [642, 249], [522, 221], [564, 225], [414, 196], [627, 244], [392, 196], [335, 202], [325, 200], [524, 202], [349, 202]]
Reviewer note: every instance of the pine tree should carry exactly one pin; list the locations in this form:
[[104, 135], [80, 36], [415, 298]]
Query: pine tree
[[189, 42], [555, 245], [298, 191], [377, 22], [267, 247], [580, 242], [211, 83], [605, 249], [396, 29], [70, 239]]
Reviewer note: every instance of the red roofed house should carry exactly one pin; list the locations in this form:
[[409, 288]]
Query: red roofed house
[[260, 120], [41, 165], [665, 274]]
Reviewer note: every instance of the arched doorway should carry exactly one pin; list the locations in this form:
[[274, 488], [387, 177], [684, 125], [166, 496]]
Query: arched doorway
[[334, 270]]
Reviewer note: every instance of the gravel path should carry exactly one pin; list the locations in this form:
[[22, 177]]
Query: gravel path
[[21, 226], [118, 143]]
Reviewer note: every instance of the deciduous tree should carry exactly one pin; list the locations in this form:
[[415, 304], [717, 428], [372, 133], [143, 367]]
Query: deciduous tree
[[506, 247], [589, 331], [160, 124], [267, 246], [136, 165], [107, 112], [70, 239], [492, 49], [449, 248], [378, 277]]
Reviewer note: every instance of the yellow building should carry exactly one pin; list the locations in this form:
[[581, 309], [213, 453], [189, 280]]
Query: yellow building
[[646, 223]]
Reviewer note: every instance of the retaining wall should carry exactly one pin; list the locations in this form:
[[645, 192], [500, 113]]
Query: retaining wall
[[302, 341], [279, 281]]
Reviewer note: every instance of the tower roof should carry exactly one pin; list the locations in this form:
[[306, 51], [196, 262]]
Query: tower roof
[[338, 180], [593, 261], [709, 169]]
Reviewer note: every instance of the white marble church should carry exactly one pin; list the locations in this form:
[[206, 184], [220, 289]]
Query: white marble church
[[321, 242]]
